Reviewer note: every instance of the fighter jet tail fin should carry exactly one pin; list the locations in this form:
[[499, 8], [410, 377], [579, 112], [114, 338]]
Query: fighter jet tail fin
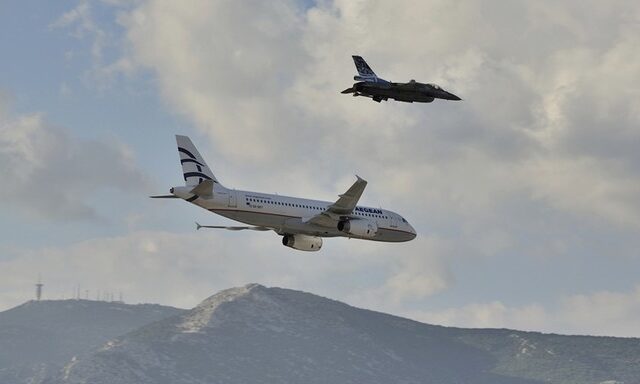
[[365, 72]]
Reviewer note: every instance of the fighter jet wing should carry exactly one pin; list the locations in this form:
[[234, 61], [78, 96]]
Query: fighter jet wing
[[344, 206], [410, 85]]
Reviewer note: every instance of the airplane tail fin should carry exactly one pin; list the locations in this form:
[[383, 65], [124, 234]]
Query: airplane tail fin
[[364, 70], [194, 169]]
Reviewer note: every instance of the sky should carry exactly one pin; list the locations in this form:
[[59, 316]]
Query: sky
[[525, 195]]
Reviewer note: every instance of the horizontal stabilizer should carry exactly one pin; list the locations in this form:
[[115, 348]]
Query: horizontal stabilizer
[[233, 228], [164, 197]]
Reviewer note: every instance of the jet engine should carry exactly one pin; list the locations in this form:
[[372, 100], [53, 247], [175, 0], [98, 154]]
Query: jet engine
[[302, 242], [362, 228]]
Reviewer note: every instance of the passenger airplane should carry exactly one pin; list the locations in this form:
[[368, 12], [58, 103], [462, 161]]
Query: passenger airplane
[[302, 223]]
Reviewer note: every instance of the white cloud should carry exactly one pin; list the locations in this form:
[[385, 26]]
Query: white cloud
[[601, 313], [182, 269], [48, 173], [544, 140], [419, 272], [266, 91], [82, 21]]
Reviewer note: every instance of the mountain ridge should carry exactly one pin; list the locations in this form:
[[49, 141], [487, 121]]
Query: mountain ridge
[[259, 334], [253, 333], [38, 337]]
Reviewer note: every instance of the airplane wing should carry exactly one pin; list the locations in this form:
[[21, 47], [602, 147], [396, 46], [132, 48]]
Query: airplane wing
[[348, 200], [342, 207], [233, 228]]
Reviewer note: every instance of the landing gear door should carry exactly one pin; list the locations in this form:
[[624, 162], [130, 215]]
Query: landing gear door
[[233, 201], [394, 221]]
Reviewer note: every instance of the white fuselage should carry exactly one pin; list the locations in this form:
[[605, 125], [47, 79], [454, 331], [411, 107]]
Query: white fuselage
[[288, 215]]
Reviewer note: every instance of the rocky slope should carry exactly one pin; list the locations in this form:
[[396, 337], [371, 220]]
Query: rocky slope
[[255, 334], [39, 337]]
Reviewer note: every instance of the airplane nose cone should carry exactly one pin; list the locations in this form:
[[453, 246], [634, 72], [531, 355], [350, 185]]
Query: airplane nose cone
[[413, 232]]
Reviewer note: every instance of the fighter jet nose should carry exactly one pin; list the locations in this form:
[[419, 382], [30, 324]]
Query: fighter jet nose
[[453, 97]]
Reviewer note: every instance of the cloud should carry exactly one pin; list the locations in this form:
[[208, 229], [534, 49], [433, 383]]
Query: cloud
[[83, 24], [183, 269], [266, 90], [50, 174], [539, 159], [228, 88], [418, 273], [602, 313]]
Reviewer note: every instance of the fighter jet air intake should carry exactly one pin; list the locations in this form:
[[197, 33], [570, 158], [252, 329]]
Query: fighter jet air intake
[[302, 223], [370, 85]]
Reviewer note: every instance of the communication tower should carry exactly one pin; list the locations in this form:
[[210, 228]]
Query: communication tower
[[39, 286]]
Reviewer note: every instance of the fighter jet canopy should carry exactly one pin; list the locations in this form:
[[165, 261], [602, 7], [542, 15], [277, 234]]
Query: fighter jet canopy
[[436, 86]]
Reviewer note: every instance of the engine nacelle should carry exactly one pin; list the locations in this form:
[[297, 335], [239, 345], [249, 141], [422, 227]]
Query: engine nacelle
[[362, 228], [302, 242]]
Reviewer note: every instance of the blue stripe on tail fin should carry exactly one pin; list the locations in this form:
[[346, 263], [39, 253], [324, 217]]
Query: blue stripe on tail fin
[[364, 70]]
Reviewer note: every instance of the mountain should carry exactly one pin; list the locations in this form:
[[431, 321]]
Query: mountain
[[254, 334], [39, 337]]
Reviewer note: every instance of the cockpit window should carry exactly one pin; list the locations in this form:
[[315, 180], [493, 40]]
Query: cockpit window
[[436, 86], [403, 220]]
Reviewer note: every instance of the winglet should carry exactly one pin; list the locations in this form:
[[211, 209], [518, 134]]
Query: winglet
[[198, 226]]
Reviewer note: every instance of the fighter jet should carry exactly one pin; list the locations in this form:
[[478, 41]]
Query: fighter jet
[[370, 85]]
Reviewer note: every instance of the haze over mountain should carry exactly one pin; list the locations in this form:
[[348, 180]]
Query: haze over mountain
[[38, 337], [254, 334]]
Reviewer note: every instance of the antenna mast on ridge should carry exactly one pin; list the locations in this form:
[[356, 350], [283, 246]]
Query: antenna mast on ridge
[[39, 286]]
